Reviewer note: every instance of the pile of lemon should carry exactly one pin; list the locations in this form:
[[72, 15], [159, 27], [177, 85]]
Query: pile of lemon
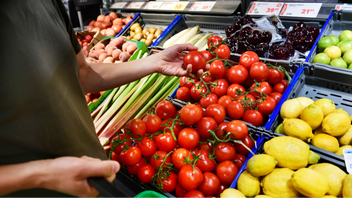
[[318, 123], [283, 171]]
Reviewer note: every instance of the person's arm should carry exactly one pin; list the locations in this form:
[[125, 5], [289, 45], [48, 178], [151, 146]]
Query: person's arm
[[65, 174], [96, 77]]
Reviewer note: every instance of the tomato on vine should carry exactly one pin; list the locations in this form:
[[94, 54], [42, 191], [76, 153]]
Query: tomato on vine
[[279, 87], [206, 145], [188, 138], [235, 110], [165, 142], [263, 87], [239, 160], [237, 74], [238, 129], [197, 90], [147, 147], [217, 69], [121, 146], [224, 100], [210, 184], [220, 88], [179, 157], [249, 142], [167, 124], [208, 77], [266, 105], [205, 124], [232, 90], [277, 96], [208, 100], [205, 164], [133, 170], [259, 71], [213, 42], [226, 172], [216, 111], [169, 183], [248, 58], [137, 127], [183, 93], [223, 51], [145, 173], [248, 101], [196, 59], [152, 123], [190, 177], [224, 151], [221, 131], [208, 56], [275, 76], [130, 156], [194, 194], [158, 158], [187, 82], [191, 114], [165, 109], [253, 116]]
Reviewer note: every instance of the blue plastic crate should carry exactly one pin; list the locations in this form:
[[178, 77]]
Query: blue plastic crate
[[127, 26], [167, 31]]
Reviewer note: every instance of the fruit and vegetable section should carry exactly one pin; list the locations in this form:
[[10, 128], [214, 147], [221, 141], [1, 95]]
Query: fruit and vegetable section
[[270, 116]]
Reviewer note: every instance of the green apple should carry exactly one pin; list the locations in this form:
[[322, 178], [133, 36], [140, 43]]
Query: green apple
[[345, 45], [350, 67], [324, 43], [347, 56], [335, 40], [345, 35], [321, 58], [338, 62], [339, 44], [333, 52]]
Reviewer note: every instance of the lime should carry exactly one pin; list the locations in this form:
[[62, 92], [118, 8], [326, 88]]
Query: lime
[[345, 45], [335, 39], [324, 43], [333, 52], [350, 67], [339, 44], [338, 62], [347, 56], [345, 35], [321, 58]]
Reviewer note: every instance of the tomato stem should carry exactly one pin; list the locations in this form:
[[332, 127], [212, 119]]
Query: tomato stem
[[245, 146]]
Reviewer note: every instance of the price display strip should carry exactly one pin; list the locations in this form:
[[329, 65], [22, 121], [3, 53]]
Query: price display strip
[[118, 5], [347, 153], [135, 5], [202, 6], [265, 8], [153, 5], [343, 7], [179, 6], [309, 10]]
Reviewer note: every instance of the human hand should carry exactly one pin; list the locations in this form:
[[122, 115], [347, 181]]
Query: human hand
[[170, 62], [69, 174]]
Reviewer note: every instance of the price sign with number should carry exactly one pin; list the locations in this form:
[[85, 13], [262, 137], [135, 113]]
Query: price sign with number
[[118, 5], [153, 5], [343, 7], [301, 10], [202, 6], [262, 8], [180, 6], [135, 5], [167, 5]]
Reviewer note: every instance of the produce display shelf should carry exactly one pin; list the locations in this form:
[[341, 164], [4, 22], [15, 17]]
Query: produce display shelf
[[318, 82], [337, 22], [147, 20]]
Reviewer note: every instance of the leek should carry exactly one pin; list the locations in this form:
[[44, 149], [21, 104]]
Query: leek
[[171, 41]]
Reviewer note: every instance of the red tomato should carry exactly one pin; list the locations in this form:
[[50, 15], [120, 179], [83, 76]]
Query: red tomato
[[226, 172], [208, 56], [133, 170], [248, 58], [191, 114], [168, 184], [249, 81], [205, 124], [179, 156], [152, 122], [285, 83], [147, 147], [165, 109], [223, 51], [238, 129], [210, 184], [180, 192], [267, 106], [263, 87], [205, 145], [220, 88], [216, 111], [232, 90], [279, 87], [225, 151], [277, 96], [194, 194], [259, 71], [239, 160], [224, 100], [130, 156], [196, 59], [248, 141], [197, 92], [221, 131], [210, 99], [213, 42], [188, 138], [158, 158], [205, 164], [165, 142], [221, 189], [184, 94], [208, 77], [217, 69], [190, 178], [115, 156], [138, 128], [235, 110], [253, 116], [248, 101], [187, 82], [120, 147], [275, 76], [145, 173], [167, 124], [237, 74]]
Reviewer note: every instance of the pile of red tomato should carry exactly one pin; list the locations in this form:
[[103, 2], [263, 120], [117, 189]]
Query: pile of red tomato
[[190, 152], [248, 91]]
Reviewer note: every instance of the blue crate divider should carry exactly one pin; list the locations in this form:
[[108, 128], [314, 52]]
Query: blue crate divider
[[173, 95], [128, 25], [167, 30]]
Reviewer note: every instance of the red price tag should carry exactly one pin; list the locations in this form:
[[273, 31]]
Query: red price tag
[[261, 8], [202, 6], [301, 9]]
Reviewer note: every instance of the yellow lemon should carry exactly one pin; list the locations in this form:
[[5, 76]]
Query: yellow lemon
[[336, 124], [291, 109], [334, 176], [248, 184], [347, 186], [298, 128], [318, 131], [340, 110], [278, 183], [313, 115], [260, 165], [340, 150], [231, 193], [290, 152], [333, 52], [305, 102], [346, 139], [310, 183], [328, 196], [326, 105], [326, 142], [313, 158], [262, 196]]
